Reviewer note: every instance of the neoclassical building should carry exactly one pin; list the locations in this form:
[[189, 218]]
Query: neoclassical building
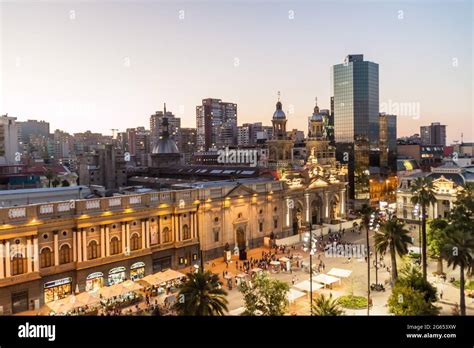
[[448, 181], [50, 250]]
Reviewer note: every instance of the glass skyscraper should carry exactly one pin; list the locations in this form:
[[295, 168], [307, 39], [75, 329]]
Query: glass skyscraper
[[356, 121]]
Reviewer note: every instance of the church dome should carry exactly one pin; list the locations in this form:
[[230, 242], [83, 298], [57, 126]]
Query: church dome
[[279, 114], [166, 146], [317, 117]]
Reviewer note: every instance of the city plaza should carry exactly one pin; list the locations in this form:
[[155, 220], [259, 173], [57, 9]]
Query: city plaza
[[299, 297]]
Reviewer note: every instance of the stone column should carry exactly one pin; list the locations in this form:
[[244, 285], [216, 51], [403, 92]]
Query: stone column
[[7, 259], [343, 203], [124, 246], [147, 233], [35, 254], [107, 240], [79, 245], [144, 235], [2, 260], [29, 253], [74, 245], [308, 218], [326, 203], [435, 208], [56, 248], [192, 225], [84, 244], [102, 241], [127, 236], [287, 202]]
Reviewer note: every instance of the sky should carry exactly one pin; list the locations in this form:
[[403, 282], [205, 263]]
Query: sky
[[102, 65]]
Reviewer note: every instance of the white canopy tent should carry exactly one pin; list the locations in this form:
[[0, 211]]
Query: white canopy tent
[[284, 259], [326, 279], [294, 294], [339, 272], [305, 286]]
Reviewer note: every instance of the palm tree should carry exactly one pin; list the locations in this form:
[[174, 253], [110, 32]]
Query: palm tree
[[423, 195], [394, 237], [435, 240], [365, 213], [458, 246], [326, 306], [457, 252], [202, 295]]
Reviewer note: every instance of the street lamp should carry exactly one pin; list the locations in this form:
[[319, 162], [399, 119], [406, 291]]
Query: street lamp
[[417, 213], [310, 243]]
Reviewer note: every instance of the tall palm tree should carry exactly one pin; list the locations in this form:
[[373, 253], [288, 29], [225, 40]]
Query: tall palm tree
[[458, 249], [365, 213], [458, 253], [202, 295], [326, 306], [423, 195], [394, 237]]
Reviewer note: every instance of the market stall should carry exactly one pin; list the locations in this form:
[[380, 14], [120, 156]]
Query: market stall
[[326, 279], [339, 272], [285, 264], [275, 266], [293, 295], [305, 285]]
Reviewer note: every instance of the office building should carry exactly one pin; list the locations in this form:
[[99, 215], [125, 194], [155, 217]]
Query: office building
[[356, 122], [216, 123], [434, 134]]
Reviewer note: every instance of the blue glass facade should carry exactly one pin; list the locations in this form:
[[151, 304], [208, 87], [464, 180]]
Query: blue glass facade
[[356, 121]]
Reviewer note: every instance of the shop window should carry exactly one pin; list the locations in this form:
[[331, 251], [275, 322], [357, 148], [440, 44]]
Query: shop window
[[260, 226], [46, 258], [19, 302], [166, 235], [216, 234], [114, 246], [135, 242], [18, 264], [92, 250], [275, 223], [186, 232], [64, 254]]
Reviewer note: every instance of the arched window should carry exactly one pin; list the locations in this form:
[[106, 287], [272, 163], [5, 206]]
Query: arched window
[[64, 254], [114, 246], [186, 232], [92, 250], [135, 242], [166, 235], [46, 258], [18, 264]]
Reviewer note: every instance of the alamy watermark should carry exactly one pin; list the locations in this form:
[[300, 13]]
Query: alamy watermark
[[238, 156]]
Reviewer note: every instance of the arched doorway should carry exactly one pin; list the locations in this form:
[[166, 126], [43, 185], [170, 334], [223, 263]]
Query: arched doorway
[[334, 208], [297, 218], [316, 209], [241, 242]]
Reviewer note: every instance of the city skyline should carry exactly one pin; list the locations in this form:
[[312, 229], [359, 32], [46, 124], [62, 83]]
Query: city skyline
[[101, 78]]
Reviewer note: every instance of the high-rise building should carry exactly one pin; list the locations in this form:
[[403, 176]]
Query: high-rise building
[[216, 123], [63, 145], [156, 120], [356, 121], [187, 145], [8, 140], [243, 135], [434, 134], [388, 141], [32, 127], [138, 144], [106, 166]]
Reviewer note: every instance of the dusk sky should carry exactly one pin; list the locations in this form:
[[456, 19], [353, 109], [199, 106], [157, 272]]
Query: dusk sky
[[97, 65]]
